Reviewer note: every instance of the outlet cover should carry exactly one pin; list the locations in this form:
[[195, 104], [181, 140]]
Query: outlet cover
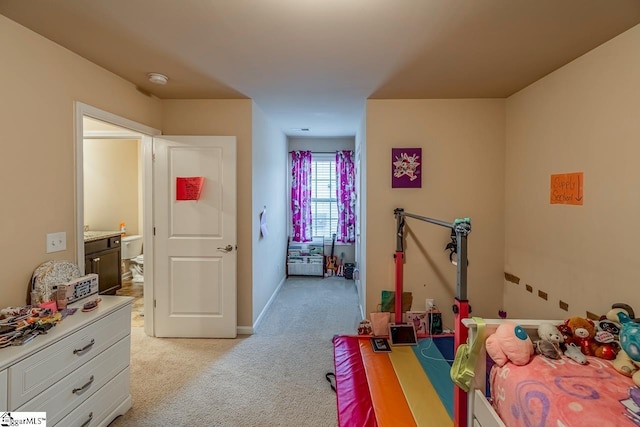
[[56, 242]]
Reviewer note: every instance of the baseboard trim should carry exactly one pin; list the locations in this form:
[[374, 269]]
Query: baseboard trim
[[256, 324], [244, 330]]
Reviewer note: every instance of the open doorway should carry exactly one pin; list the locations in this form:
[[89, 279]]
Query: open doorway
[[113, 206], [114, 158]]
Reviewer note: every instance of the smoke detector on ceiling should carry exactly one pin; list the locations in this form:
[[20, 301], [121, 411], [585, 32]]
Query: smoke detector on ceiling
[[157, 78]]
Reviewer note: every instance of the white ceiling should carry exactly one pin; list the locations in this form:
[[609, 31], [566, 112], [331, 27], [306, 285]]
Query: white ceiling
[[313, 63]]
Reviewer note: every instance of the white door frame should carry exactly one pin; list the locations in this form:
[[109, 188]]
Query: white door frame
[[145, 133]]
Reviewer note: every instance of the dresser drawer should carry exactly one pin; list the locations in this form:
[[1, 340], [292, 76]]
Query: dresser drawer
[[61, 398], [103, 406], [4, 405], [41, 370]]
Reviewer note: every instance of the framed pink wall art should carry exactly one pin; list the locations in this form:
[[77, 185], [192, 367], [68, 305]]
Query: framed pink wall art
[[406, 167]]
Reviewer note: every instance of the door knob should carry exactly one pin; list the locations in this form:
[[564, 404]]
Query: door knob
[[227, 248]]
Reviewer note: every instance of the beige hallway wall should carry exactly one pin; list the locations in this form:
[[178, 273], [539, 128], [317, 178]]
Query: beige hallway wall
[[581, 118], [462, 145], [40, 83]]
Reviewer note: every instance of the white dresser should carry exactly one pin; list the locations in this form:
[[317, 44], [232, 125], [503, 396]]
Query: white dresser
[[78, 373]]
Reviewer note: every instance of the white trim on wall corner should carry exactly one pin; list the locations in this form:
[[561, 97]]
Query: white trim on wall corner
[[256, 324]]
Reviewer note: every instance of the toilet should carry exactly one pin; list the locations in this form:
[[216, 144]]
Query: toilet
[[132, 251]]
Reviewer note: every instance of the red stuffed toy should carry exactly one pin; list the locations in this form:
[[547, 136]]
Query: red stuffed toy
[[582, 333], [607, 334], [567, 335]]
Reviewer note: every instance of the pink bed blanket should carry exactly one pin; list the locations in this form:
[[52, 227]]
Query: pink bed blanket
[[562, 393]]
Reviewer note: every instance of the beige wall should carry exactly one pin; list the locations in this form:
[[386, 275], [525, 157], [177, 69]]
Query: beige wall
[[584, 117], [462, 145], [111, 184], [224, 118], [269, 188], [40, 83]]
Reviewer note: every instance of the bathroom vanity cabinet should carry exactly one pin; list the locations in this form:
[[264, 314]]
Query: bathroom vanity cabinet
[[102, 255]]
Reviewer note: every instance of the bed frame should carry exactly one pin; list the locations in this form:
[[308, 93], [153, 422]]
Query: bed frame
[[479, 410]]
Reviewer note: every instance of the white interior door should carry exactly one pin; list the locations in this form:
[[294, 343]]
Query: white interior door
[[195, 240]]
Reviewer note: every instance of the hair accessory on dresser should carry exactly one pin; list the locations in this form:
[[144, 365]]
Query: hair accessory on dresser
[[91, 305]]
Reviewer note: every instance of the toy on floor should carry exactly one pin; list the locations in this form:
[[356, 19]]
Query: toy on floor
[[509, 343], [364, 327]]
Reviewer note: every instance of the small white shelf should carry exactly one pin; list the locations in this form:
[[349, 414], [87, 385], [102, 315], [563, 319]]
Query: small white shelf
[[305, 259]]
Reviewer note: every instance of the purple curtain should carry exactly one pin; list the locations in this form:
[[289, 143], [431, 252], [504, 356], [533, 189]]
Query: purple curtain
[[301, 196], [346, 194]]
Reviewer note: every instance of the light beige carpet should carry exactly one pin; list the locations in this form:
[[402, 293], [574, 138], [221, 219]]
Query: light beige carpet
[[275, 377]]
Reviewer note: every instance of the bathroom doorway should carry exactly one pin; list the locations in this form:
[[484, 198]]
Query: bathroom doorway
[[113, 202]]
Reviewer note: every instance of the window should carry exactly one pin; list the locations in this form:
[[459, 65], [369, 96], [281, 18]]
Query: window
[[324, 204]]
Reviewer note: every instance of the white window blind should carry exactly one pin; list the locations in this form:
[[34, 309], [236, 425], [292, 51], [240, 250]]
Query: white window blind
[[324, 204]]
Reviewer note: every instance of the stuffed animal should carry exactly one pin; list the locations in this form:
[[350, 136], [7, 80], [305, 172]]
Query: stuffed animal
[[549, 343], [620, 307], [567, 336], [630, 337], [509, 343], [583, 332], [607, 338], [612, 315], [630, 343], [627, 361], [627, 366], [573, 352]]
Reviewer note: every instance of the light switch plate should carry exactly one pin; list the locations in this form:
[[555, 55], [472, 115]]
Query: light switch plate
[[56, 242]]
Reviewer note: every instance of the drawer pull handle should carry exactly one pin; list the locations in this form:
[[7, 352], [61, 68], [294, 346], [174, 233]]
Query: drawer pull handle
[[86, 423], [84, 387], [85, 348]]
